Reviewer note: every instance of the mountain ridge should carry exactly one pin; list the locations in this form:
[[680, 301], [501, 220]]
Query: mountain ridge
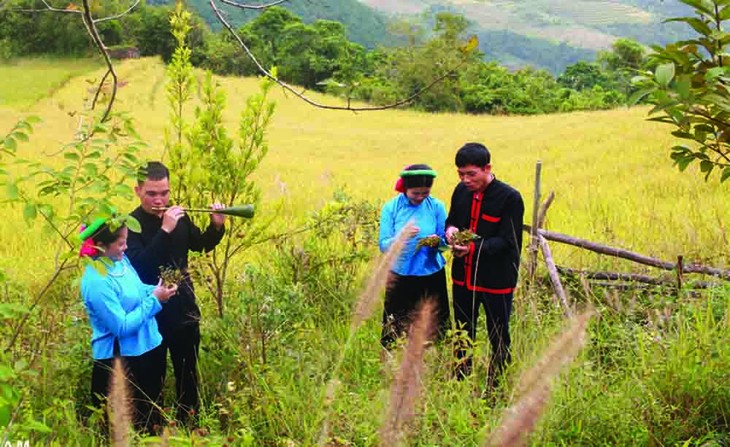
[[569, 30], [546, 34]]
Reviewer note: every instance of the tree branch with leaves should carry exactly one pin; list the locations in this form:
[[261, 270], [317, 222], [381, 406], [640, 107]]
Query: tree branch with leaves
[[689, 87], [448, 72]]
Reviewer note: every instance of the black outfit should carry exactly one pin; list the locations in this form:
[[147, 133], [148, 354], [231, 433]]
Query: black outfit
[[144, 385], [178, 321], [487, 275], [402, 297]]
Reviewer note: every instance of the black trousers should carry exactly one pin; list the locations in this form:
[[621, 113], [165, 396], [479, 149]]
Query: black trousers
[[183, 343], [144, 384], [498, 308], [402, 297]]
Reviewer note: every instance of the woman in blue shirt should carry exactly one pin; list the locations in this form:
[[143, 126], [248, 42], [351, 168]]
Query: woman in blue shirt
[[122, 312], [419, 271]]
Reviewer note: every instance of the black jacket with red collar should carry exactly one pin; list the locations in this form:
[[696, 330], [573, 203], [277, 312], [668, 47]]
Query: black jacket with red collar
[[496, 215]]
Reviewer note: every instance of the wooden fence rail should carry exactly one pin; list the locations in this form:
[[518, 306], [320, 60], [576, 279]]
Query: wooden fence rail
[[629, 255], [540, 236]]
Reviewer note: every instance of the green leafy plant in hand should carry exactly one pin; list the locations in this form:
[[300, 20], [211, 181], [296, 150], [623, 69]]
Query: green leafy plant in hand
[[464, 237], [432, 241], [171, 276]]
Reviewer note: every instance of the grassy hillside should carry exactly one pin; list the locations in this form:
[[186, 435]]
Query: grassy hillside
[[656, 366], [40, 78]]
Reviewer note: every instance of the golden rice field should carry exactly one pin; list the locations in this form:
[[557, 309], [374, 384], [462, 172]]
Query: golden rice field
[[610, 170]]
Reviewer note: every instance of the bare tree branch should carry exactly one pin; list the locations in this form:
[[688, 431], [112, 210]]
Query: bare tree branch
[[257, 7], [98, 89], [117, 16], [96, 38], [308, 100], [67, 11], [50, 8], [90, 24]]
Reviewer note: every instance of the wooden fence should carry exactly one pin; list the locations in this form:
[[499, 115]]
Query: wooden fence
[[539, 238]]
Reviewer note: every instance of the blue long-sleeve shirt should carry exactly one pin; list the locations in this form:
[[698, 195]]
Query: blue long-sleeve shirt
[[430, 217], [122, 307]]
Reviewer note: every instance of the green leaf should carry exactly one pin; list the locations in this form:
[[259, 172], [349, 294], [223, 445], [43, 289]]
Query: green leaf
[[6, 373], [639, 95], [682, 163], [698, 25], [682, 134], [20, 365], [664, 74], [706, 166], [702, 6], [683, 86], [10, 144], [20, 136], [712, 73], [46, 209], [725, 174], [68, 255], [133, 224], [5, 415], [638, 79], [29, 212], [11, 190], [36, 426]]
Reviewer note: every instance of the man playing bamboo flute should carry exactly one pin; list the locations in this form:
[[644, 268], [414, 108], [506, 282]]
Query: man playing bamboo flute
[[484, 271], [167, 236]]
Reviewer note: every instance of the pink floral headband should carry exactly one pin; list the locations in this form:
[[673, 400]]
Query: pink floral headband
[[87, 247]]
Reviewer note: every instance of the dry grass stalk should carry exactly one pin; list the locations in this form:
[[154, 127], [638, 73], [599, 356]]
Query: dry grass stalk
[[561, 352], [520, 419], [407, 386], [119, 406], [165, 438], [329, 398], [379, 279], [364, 307], [535, 385]]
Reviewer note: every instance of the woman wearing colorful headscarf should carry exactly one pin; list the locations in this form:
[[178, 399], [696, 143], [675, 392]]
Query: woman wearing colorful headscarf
[[419, 271], [122, 312]]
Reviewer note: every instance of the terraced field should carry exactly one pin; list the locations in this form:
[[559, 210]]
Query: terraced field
[[579, 23]]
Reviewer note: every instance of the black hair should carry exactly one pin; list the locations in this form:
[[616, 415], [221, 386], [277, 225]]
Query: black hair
[[475, 154], [154, 170], [417, 181], [105, 237]]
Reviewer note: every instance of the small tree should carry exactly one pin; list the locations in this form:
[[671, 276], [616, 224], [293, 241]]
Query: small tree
[[207, 164], [179, 92], [690, 88]]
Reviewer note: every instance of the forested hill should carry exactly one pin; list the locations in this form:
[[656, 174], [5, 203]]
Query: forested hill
[[551, 34], [364, 24]]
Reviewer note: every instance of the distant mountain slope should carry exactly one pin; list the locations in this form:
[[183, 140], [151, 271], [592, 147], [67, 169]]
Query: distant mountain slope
[[549, 34], [365, 25], [552, 33]]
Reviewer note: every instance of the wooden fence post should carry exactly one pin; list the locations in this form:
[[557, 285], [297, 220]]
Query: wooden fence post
[[680, 274], [534, 242], [554, 276]]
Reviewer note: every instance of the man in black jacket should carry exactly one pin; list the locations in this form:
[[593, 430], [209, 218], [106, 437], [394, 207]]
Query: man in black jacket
[[484, 272], [166, 237]]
